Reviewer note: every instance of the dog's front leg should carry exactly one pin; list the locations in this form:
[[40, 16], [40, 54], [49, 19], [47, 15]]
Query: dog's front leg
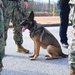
[[36, 50]]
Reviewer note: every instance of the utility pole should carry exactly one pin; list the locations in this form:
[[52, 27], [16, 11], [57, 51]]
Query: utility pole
[[48, 6], [53, 9]]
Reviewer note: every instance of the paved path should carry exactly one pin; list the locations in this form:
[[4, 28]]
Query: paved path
[[20, 64]]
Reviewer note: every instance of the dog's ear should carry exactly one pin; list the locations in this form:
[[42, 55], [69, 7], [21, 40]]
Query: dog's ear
[[31, 16]]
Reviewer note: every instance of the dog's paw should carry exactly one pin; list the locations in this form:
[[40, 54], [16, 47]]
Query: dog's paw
[[47, 56], [32, 58], [50, 58]]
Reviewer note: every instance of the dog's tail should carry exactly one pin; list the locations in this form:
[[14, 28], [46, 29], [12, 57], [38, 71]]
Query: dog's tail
[[64, 55]]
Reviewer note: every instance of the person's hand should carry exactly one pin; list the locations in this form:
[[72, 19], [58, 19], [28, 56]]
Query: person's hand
[[25, 5]]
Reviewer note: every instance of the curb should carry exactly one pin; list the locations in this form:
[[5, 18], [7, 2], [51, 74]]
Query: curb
[[45, 25]]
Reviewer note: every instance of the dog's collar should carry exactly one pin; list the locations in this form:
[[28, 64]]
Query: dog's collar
[[34, 31]]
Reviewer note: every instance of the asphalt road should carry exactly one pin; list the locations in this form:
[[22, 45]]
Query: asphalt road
[[19, 64]]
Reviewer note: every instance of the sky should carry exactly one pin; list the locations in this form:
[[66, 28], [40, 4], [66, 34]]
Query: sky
[[46, 0]]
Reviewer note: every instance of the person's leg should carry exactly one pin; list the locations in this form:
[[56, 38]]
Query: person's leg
[[64, 19], [72, 46], [6, 26], [16, 19], [6, 13], [18, 38], [2, 47], [63, 27]]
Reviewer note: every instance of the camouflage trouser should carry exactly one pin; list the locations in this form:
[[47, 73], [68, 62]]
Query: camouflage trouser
[[2, 47], [72, 46], [11, 12]]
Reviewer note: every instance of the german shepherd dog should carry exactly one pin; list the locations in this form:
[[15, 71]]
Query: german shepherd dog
[[42, 37]]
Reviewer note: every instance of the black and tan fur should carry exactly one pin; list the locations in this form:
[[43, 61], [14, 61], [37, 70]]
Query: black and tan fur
[[42, 38]]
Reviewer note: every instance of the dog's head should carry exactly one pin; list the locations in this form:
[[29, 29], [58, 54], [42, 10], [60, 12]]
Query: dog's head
[[28, 22]]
